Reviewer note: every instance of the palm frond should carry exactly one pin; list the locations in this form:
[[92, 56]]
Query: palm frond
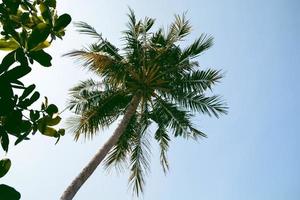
[[133, 46], [105, 46], [198, 81], [213, 105], [117, 157], [88, 85], [179, 29], [163, 140], [85, 28], [139, 159], [170, 115], [94, 61], [97, 112], [147, 24], [203, 43]]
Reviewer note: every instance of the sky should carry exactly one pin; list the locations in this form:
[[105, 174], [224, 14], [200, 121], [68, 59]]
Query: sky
[[251, 153]]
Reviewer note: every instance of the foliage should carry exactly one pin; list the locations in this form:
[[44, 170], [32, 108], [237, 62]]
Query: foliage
[[155, 66], [27, 27]]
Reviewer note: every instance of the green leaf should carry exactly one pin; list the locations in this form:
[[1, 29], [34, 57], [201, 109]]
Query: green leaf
[[22, 137], [51, 109], [41, 46], [4, 166], [53, 121], [21, 57], [27, 91], [61, 132], [34, 115], [15, 73], [8, 45], [4, 140], [41, 57], [7, 61], [39, 34], [51, 3], [62, 22], [49, 131], [33, 98], [9, 193], [46, 13]]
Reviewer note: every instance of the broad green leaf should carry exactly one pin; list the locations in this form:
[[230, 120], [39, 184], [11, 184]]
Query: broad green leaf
[[39, 34], [27, 91], [29, 101], [4, 166], [62, 22], [41, 46], [51, 109], [53, 121], [33, 98], [51, 3], [8, 45], [34, 115], [9, 193], [49, 131], [15, 73], [21, 57], [45, 11], [41, 57], [22, 137], [7, 61]]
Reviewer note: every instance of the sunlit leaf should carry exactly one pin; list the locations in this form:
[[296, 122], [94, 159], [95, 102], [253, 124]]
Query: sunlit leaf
[[8, 45]]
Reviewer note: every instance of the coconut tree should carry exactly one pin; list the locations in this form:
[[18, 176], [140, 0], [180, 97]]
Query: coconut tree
[[151, 83]]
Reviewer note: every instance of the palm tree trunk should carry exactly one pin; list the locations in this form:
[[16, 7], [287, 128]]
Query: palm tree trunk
[[73, 188]]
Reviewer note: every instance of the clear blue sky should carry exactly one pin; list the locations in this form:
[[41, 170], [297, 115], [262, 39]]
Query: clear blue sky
[[252, 153]]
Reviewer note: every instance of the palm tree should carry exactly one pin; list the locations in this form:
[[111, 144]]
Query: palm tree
[[151, 82]]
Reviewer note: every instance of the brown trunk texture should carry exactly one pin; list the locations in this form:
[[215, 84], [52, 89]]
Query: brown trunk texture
[[86, 172]]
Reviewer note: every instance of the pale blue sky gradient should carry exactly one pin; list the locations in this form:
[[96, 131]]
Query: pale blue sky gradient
[[250, 154]]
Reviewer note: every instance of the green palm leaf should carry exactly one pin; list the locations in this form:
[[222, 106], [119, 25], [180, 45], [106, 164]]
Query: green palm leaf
[[87, 29], [207, 105], [199, 80], [139, 162], [203, 43], [163, 140]]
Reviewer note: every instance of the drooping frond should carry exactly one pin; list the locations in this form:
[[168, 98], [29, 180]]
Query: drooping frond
[[85, 95], [175, 119], [87, 85], [87, 29], [163, 140], [119, 153], [139, 159], [94, 61], [97, 111], [179, 121]]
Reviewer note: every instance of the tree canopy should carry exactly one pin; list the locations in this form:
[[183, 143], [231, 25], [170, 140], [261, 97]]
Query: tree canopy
[[153, 67]]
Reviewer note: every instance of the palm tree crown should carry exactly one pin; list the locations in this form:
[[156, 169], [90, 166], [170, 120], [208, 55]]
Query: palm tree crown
[[164, 77]]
